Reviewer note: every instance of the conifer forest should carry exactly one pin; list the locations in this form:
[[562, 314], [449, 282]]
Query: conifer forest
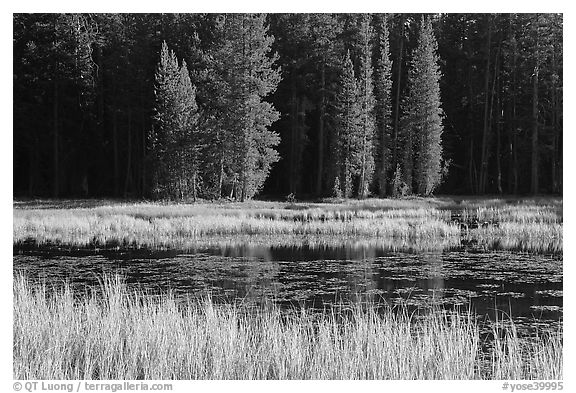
[[210, 106], [288, 196]]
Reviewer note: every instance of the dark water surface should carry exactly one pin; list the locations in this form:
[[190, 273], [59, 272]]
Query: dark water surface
[[526, 286]]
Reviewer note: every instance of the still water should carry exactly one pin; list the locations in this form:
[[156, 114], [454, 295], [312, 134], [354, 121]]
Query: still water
[[525, 286]]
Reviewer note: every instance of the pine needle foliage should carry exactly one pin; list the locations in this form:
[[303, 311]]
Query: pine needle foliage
[[367, 104], [383, 109], [245, 74], [348, 125], [175, 141], [421, 123]]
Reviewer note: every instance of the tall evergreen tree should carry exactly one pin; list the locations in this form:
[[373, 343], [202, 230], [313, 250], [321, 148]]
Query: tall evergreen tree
[[325, 31], [246, 75], [173, 140], [84, 103], [367, 103], [54, 68], [161, 136], [294, 97], [383, 93], [540, 36], [348, 129], [422, 117], [189, 141]]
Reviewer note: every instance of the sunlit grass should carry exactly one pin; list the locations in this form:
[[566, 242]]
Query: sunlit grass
[[121, 333], [415, 223], [523, 214], [148, 225], [527, 236]]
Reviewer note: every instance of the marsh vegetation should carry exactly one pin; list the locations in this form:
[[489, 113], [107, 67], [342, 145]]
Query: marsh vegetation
[[337, 289], [189, 117], [527, 225], [116, 333]]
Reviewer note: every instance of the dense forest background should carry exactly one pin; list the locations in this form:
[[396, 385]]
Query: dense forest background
[[314, 105]]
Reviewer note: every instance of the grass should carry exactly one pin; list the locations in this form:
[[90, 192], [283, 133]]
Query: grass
[[413, 224], [178, 231], [532, 237], [121, 333], [519, 214]]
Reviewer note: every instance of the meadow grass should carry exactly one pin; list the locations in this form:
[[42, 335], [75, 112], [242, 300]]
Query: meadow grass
[[115, 332], [527, 236], [522, 214], [124, 230], [415, 223]]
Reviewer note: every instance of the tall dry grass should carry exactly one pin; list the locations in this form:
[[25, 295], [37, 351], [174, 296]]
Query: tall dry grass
[[163, 227], [411, 224], [525, 236], [120, 333]]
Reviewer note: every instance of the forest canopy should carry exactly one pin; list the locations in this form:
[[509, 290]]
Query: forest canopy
[[187, 106]]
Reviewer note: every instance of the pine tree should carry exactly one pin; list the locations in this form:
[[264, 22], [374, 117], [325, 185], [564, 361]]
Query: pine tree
[[539, 36], [422, 117], [293, 39], [246, 75], [189, 140], [348, 128], [174, 139], [383, 90], [84, 103], [160, 137], [367, 103], [325, 31]]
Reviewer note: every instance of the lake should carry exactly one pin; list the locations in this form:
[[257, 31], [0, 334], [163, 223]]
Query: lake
[[492, 283]]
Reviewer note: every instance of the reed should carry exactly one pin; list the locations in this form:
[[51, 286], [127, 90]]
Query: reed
[[523, 214], [116, 332], [532, 237], [411, 224], [81, 228]]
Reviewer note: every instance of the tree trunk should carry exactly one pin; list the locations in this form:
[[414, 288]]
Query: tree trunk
[[320, 167], [554, 147], [398, 89], [115, 147], [534, 172], [347, 178], [471, 167], [486, 128], [55, 184], [143, 163], [498, 138], [33, 171], [363, 191], [194, 174], [293, 131], [513, 139], [298, 145], [382, 185], [490, 121], [555, 131], [100, 87], [515, 126], [515, 153], [142, 170], [362, 186], [471, 135], [221, 173], [244, 190], [129, 158]]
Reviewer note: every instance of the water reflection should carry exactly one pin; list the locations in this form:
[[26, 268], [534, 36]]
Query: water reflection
[[529, 287]]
